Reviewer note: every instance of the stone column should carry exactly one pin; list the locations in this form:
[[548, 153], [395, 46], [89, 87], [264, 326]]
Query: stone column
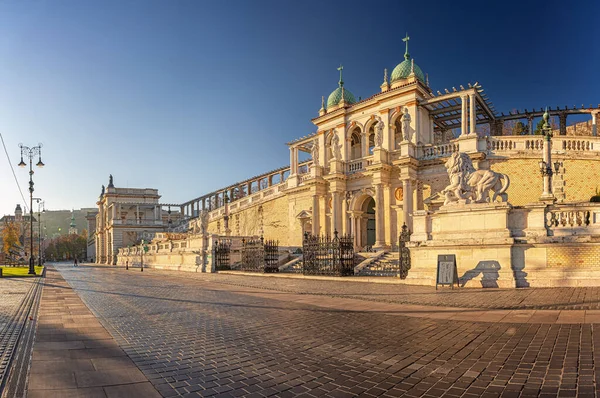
[[547, 157], [407, 203], [315, 215], [249, 187], [379, 226], [530, 124], [472, 110], [364, 144], [335, 212], [562, 118], [594, 125], [463, 115], [137, 214]]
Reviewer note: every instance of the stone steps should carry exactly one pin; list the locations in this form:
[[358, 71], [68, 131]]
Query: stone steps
[[388, 265]]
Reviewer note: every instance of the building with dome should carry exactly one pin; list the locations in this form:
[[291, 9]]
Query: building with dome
[[377, 163]]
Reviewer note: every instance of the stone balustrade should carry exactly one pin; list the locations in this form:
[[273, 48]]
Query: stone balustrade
[[438, 151], [357, 165], [530, 143], [573, 219]]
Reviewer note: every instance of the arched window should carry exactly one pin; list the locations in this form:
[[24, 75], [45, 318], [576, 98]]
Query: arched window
[[355, 150], [397, 133], [371, 139]]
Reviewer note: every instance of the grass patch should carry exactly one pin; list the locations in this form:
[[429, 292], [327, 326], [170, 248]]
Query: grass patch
[[19, 271]]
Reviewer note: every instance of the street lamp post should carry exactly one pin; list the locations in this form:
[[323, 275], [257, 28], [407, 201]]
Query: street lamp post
[[31, 153], [40, 203], [546, 165]]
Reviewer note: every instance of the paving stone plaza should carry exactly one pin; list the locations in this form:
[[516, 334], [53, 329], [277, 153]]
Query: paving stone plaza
[[108, 332]]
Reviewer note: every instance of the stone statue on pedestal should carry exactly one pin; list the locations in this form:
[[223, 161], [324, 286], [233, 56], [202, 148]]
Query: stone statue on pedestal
[[470, 185], [406, 125], [203, 220], [336, 147], [315, 153], [379, 133]]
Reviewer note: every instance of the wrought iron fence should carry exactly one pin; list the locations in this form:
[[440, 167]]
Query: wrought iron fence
[[324, 255], [259, 255], [404, 252], [221, 255], [253, 255], [271, 256]]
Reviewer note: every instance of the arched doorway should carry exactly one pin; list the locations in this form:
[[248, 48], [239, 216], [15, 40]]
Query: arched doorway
[[369, 225], [362, 219]]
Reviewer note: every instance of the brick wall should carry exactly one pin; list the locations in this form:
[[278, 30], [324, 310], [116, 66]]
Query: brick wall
[[580, 256]]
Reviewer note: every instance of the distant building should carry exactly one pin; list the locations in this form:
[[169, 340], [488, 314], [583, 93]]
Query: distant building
[[126, 216], [22, 222], [72, 226]]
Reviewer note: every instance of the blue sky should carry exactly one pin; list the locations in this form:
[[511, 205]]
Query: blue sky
[[191, 96]]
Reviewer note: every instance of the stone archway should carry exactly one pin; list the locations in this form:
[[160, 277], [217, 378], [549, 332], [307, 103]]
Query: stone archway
[[363, 224]]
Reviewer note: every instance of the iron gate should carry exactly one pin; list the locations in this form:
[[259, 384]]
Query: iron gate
[[404, 252], [271, 256], [259, 255], [326, 256], [221, 255], [253, 255]]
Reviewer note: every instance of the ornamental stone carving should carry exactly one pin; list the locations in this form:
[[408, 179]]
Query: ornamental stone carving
[[315, 153], [469, 185], [336, 146], [406, 125], [203, 220], [378, 133]]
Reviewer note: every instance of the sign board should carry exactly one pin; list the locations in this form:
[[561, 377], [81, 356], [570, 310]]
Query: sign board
[[447, 274]]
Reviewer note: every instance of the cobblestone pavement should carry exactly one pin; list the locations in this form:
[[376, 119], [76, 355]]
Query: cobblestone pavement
[[573, 298], [192, 337], [12, 293]]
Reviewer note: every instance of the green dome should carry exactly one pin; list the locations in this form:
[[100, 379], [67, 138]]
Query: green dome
[[336, 96], [402, 71]]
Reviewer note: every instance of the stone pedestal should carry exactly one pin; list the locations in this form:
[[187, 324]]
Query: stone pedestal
[[316, 171], [336, 167], [477, 234], [407, 148], [380, 155]]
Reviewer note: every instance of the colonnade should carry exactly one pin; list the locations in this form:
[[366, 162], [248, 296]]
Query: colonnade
[[217, 199], [348, 214]]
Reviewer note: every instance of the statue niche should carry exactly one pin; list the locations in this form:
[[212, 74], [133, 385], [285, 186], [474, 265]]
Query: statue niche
[[469, 185]]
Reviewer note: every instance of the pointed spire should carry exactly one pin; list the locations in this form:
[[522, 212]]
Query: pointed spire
[[322, 102], [412, 66], [406, 39], [385, 77], [341, 82], [546, 117], [427, 79]]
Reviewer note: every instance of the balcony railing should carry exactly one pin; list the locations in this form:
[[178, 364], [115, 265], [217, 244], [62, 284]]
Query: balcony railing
[[530, 143], [358, 165], [142, 222]]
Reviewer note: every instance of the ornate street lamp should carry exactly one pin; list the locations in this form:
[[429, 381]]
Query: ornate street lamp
[[546, 163], [31, 153], [40, 203]]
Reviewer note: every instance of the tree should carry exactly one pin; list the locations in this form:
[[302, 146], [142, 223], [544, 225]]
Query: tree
[[10, 237], [520, 129], [538, 127], [67, 247]]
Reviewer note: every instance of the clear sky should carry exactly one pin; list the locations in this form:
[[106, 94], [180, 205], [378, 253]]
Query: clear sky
[[191, 96]]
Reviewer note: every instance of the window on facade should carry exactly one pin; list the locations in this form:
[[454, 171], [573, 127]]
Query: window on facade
[[355, 145]]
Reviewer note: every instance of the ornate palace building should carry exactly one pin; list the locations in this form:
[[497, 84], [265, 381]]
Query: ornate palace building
[[377, 161]]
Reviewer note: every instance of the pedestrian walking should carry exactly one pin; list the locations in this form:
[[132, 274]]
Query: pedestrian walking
[[75, 263]]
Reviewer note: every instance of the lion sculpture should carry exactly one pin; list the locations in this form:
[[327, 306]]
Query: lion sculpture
[[468, 184]]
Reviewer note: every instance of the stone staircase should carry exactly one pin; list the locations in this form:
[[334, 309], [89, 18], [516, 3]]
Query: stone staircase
[[386, 265]]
